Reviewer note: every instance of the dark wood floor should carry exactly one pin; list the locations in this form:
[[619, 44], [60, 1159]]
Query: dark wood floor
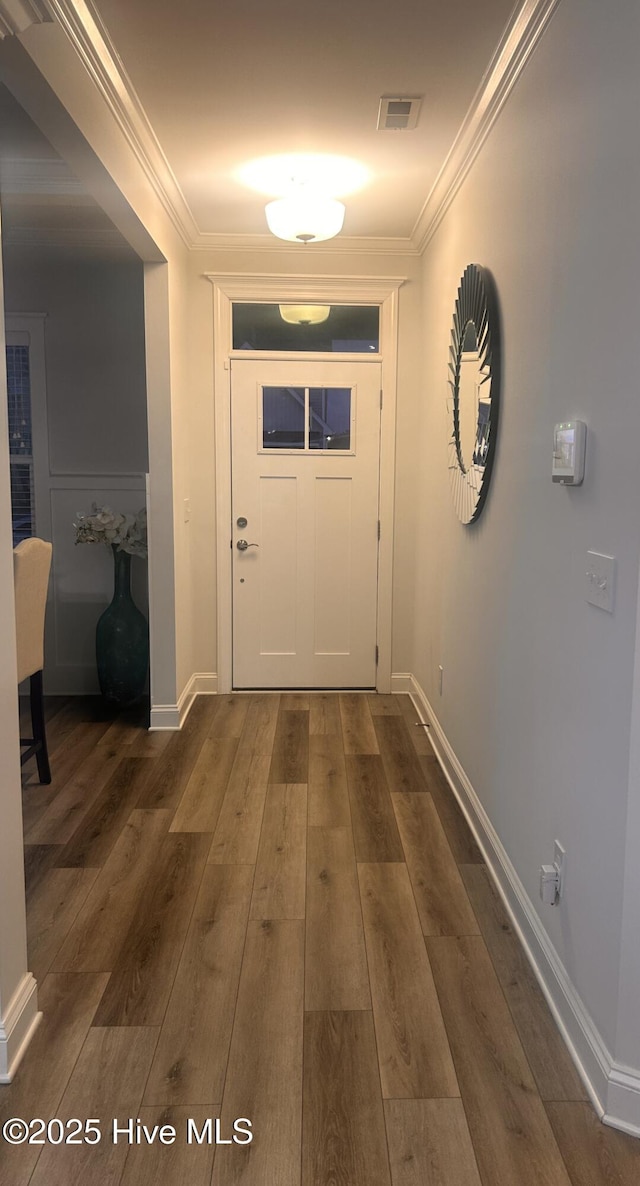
[[280, 914]]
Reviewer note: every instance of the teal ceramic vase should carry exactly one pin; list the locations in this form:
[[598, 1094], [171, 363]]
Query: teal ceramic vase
[[122, 641]]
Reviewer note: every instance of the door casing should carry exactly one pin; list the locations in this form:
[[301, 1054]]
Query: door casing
[[382, 291]]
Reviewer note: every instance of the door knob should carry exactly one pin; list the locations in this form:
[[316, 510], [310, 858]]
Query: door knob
[[242, 545]]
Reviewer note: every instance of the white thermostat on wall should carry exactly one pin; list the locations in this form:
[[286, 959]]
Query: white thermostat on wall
[[569, 444]]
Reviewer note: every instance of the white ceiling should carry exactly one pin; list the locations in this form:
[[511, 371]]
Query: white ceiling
[[225, 83]]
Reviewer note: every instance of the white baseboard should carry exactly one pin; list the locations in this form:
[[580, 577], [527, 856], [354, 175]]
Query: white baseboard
[[402, 682], [173, 716], [613, 1088], [18, 1026]]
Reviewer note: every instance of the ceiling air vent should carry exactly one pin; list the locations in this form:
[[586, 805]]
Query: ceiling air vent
[[398, 113]]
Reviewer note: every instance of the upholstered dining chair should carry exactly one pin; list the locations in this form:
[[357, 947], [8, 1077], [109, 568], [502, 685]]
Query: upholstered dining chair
[[31, 566]]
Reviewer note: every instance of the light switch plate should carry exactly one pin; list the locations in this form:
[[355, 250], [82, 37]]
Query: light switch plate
[[601, 578]]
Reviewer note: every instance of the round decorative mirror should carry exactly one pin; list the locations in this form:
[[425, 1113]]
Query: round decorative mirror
[[474, 368]]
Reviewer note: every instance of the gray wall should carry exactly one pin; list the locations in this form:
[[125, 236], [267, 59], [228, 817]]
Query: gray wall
[[95, 356], [537, 683], [95, 444]]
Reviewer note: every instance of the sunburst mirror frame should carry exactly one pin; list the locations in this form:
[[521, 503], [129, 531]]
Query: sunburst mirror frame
[[476, 315]]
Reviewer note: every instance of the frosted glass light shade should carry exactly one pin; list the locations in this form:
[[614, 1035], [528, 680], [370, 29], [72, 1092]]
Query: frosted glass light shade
[[304, 314], [305, 219]]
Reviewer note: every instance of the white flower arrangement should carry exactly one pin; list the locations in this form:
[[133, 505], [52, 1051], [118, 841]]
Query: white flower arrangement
[[127, 533]]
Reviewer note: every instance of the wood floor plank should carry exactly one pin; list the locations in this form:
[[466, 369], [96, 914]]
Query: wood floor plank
[[295, 701], [140, 984], [62, 714], [461, 841], [150, 743], [595, 1154], [418, 734], [77, 745], [38, 860], [230, 716], [175, 768], [69, 756], [375, 831], [413, 1051], [97, 833], [179, 1164], [511, 1134], [68, 1004], [290, 759], [237, 835], [123, 731], [72, 744], [399, 757], [328, 787], [95, 939], [324, 714], [107, 1082], [36, 797], [199, 807], [344, 1140], [264, 1076], [191, 1056], [553, 1069], [279, 886], [260, 723], [383, 706], [52, 912], [357, 725], [441, 898], [74, 800], [429, 1143], [336, 975]]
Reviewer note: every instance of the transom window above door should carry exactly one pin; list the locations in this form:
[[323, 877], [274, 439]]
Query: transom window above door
[[311, 328], [306, 419]]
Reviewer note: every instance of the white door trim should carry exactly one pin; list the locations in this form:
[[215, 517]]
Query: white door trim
[[382, 291]]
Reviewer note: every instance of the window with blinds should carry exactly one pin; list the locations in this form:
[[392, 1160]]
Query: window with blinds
[[20, 442]]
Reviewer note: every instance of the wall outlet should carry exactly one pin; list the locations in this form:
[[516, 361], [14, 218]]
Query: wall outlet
[[440, 677], [600, 581]]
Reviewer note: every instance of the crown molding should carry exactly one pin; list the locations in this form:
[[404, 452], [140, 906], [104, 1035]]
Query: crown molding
[[43, 175], [17, 15], [339, 246], [511, 56], [95, 49]]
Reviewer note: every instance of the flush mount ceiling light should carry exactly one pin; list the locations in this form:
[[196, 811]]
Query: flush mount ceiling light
[[305, 218], [305, 188], [304, 314]]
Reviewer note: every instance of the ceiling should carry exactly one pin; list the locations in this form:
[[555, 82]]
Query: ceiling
[[218, 86], [224, 84]]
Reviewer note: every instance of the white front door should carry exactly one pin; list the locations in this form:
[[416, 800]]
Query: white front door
[[305, 456]]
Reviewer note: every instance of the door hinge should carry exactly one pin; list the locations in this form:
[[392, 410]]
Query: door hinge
[[381, 399], [377, 655], [378, 529]]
